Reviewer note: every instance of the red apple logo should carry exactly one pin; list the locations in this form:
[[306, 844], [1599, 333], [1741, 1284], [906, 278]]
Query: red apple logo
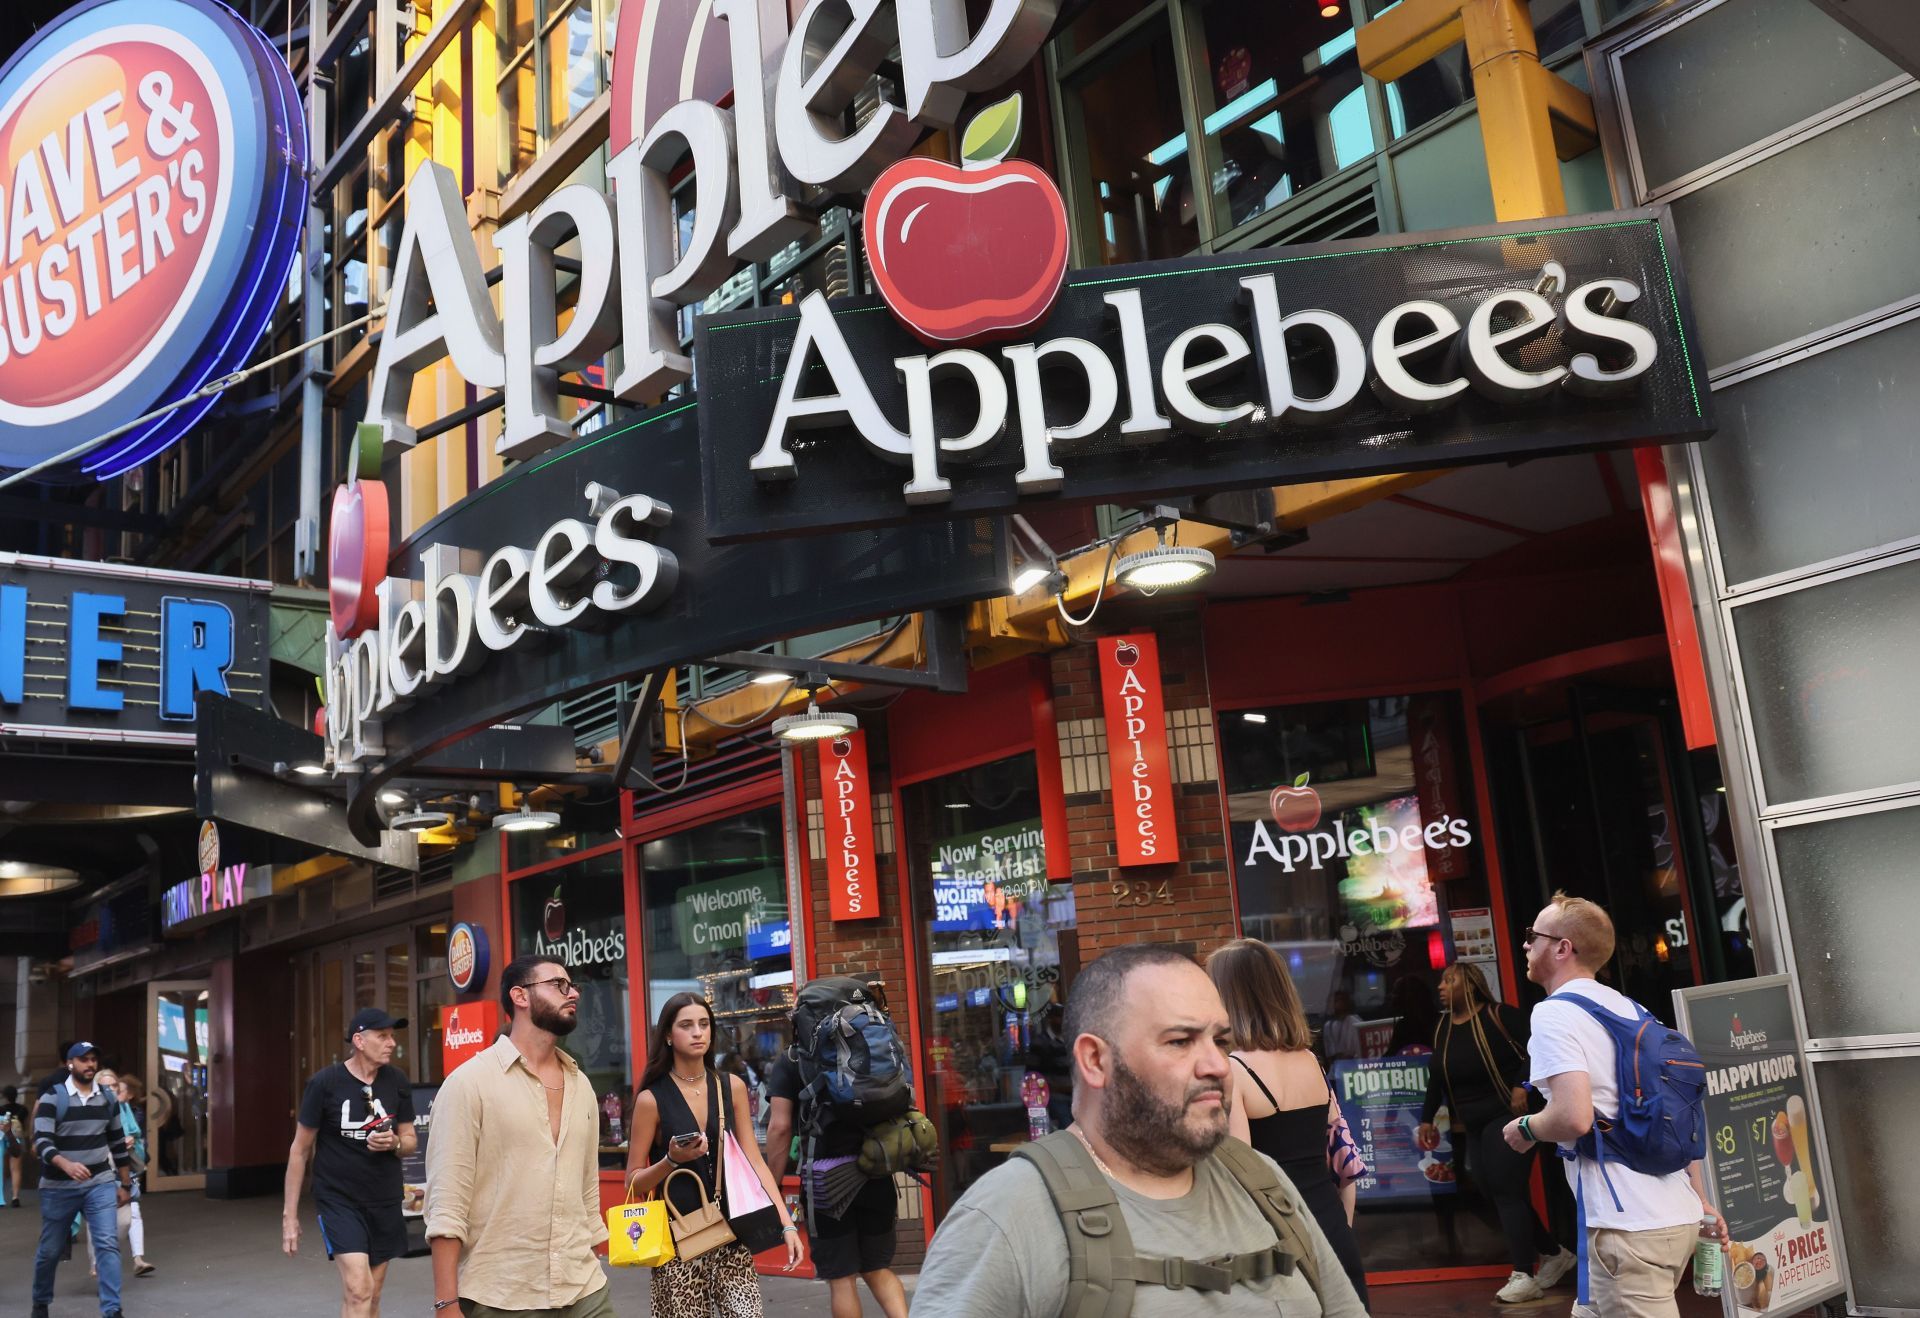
[[357, 551], [1297, 808], [554, 918], [1126, 654], [971, 254], [842, 747]]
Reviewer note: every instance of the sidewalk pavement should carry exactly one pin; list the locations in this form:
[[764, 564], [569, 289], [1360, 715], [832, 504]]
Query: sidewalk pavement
[[223, 1257]]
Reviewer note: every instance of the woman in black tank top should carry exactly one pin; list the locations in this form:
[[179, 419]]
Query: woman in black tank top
[[681, 1094], [1265, 1016]]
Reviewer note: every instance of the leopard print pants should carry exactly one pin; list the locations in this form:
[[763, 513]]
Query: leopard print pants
[[721, 1284]]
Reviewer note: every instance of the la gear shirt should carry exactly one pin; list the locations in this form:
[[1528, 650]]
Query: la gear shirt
[[343, 1109], [1567, 1039], [524, 1207]]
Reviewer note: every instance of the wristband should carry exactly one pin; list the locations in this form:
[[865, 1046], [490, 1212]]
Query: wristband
[[438, 1305], [1527, 1130]]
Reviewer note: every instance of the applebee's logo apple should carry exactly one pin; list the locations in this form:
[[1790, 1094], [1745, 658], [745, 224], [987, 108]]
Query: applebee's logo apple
[[554, 918], [1126, 654], [842, 747], [1297, 808], [971, 254]]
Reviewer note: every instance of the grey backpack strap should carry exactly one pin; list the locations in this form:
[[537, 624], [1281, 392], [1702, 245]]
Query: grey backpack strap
[[1100, 1263], [1258, 1178]]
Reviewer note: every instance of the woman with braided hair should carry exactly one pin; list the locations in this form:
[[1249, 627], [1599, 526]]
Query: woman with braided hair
[[1478, 1074]]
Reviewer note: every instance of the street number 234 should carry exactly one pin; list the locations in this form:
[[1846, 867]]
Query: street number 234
[[1143, 892]]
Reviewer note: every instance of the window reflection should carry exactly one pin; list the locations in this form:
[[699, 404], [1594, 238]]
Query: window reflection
[[1138, 186]]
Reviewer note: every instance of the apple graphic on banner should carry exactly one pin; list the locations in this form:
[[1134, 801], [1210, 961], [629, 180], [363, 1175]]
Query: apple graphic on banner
[[1297, 808], [554, 918], [971, 254], [1126, 654], [842, 747]]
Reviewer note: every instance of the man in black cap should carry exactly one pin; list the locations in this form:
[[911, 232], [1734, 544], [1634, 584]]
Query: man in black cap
[[356, 1123]]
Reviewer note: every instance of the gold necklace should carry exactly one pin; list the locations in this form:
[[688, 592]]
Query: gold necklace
[[1104, 1169], [683, 1080]]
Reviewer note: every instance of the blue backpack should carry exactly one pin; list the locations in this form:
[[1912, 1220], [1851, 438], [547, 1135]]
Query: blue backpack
[[1661, 1127]]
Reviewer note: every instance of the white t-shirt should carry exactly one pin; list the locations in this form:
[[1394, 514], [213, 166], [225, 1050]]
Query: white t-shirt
[[1565, 1039]]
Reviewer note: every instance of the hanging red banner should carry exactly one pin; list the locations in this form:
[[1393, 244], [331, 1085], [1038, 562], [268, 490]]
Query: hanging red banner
[[1144, 829], [847, 792], [1430, 734]]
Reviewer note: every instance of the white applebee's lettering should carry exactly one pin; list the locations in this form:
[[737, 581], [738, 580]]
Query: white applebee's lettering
[[848, 400], [1314, 849], [1133, 699], [762, 171], [448, 623], [845, 784]]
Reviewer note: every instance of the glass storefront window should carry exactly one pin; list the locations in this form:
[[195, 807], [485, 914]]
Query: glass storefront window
[[577, 915], [1282, 101], [1124, 118], [1358, 855], [716, 924], [1002, 947]]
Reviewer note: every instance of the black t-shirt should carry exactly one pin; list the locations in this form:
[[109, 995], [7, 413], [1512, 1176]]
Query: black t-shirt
[[838, 1138], [341, 1107]]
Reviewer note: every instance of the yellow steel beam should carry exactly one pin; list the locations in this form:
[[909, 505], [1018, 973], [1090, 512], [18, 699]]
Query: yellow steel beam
[[1407, 36]]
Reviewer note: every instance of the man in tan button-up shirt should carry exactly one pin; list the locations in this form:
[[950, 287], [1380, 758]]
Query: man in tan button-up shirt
[[513, 1166]]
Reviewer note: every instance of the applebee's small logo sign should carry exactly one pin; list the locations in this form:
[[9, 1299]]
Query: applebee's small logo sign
[[970, 254], [1743, 1039]]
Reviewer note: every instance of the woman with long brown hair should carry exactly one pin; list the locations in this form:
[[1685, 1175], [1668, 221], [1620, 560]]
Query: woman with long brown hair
[[678, 1124], [1281, 1102], [1478, 1073]]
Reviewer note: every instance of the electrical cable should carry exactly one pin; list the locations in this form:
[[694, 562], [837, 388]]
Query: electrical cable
[[1060, 603]]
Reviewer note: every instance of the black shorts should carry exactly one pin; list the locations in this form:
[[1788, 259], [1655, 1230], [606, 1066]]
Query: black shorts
[[350, 1228], [860, 1239]]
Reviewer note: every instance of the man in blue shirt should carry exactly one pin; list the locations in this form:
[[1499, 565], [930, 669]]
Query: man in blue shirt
[[76, 1133]]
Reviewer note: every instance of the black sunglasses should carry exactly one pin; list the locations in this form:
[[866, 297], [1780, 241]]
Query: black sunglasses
[[1532, 933], [566, 986]]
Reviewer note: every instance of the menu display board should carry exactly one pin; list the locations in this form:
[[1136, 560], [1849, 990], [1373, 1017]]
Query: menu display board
[[413, 1172], [1381, 1099], [1761, 1162]]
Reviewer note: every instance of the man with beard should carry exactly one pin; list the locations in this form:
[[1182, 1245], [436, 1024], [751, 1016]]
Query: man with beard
[[1148, 1035], [513, 1168], [76, 1133], [356, 1124]]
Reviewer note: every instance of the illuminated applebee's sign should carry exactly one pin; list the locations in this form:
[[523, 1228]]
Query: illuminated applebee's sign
[[762, 170], [152, 186]]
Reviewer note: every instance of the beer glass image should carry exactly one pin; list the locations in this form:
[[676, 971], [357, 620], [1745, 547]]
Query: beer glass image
[[1782, 1141], [1797, 1126]]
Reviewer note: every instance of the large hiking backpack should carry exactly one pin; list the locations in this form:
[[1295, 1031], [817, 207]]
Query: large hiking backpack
[[1102, 1268], [849, 1055]]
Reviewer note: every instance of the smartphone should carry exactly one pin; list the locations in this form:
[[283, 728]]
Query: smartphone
[[683, 1141]]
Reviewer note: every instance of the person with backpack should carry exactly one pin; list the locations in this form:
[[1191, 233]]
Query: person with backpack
[[1145, 1205], [1479, 1075], [856, 1242], [1624, 1103]]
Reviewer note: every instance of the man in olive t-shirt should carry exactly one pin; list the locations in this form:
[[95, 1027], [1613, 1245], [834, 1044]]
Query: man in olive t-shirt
[[1150, 1099]]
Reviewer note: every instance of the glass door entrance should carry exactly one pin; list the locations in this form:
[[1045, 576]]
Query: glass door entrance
[[177, 1019]]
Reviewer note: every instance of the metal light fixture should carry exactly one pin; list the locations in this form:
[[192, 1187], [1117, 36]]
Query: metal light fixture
[[526, 820], [418, 820], [1165, 566], [771, 677], [814, 725], [393, 798], [1036, 562], [309, 768]]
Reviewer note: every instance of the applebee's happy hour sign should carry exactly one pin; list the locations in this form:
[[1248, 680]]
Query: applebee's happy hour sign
[[152, 185], [1143, 805], [847, 795]]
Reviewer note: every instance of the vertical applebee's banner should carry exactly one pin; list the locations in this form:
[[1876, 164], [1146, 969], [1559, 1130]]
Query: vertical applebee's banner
[[1144, 831], [847, 793], [1429, 733]]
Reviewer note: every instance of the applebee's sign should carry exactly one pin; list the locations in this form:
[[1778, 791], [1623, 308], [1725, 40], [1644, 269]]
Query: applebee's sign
[[1296, 837], [1183, 377], [1143, 805], [852, 880], [762, 170]]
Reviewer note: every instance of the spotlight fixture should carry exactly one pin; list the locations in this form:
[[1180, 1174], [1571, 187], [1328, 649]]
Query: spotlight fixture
[[1165, 566], [309, 768], [526, 820], [1329, 10], [814, 725], [418, 820], [1253, 718], [393, 798], [771, 677], [1036, 563]]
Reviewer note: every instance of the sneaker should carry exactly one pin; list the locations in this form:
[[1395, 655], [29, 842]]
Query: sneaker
[[1553, 1271], [1583, 1311], [1520, 1288], [142, 1268], [39, 1311]]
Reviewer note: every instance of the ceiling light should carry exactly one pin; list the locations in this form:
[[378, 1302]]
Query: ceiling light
[[1253, 718], [309, 768], [25, 878], [1329, 11], [772, 677], [814, 725], [1035, 563], [393, 798], [526, 820], [417, 820], [956, 805], [1165, 566], [1028, 577]]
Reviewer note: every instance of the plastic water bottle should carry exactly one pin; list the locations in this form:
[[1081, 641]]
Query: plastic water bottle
[[1707, 1258]]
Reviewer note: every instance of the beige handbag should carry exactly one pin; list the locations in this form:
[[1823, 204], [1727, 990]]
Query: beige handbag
[[703, 1230]]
